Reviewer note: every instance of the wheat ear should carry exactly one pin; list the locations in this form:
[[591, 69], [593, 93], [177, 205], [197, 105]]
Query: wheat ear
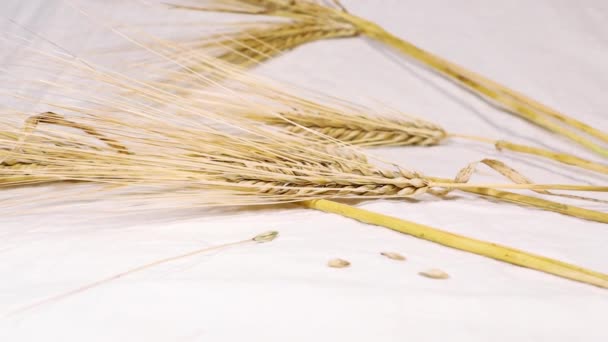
[[263, 41], [508, 99]]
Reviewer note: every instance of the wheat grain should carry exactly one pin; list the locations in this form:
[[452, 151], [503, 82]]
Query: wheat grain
[[393, 256], [434, 273], [266, 237], [338, 263]]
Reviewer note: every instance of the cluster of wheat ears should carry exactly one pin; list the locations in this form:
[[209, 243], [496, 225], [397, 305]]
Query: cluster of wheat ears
[[191, 127]]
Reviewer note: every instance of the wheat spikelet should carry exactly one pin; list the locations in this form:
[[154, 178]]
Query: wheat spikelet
[[334, 14], [262, 43], [363, 131]]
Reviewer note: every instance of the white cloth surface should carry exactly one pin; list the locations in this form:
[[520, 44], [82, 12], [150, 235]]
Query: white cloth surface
[[554, 50]]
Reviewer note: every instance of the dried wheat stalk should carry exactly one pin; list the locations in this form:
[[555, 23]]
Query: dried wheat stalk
[[258, 45]]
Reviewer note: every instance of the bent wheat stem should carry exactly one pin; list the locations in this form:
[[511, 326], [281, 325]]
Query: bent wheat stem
[[567, 187], [563, 158], [531, 201], [560, 157]]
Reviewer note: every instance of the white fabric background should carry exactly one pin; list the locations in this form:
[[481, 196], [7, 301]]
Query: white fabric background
[[554, 50]]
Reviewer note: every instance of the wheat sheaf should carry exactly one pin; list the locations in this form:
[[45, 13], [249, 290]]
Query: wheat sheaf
[[139, 140]]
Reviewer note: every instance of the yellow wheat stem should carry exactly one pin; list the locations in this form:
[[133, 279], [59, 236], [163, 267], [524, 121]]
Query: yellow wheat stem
[[479, 247]]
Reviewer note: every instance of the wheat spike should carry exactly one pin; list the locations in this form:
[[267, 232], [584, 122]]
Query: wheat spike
[[266, 41], [363, 131]]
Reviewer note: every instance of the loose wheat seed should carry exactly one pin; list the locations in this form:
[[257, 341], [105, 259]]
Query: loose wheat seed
[[266, 237], [434, 274], [394, 256], [338, 263]]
